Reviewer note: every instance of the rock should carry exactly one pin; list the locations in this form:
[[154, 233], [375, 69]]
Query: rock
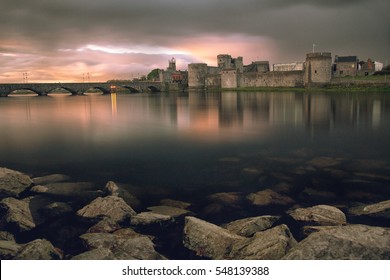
[[251, 173], [377, 210], [123, 248], [96, 254], [8, 249], [16, 215], [49, 179], [172, 212], [110, 206], [106, 225], [367, 165], [323, 162], [65, 189], [349, 242], [269, 197], [318, 195], [13, 183], [284, 188], [114, 190], [231, 199], [149, 218], [5, 235], [38, 189], [208, 240], [175, 203], [56, 210], [323, 215], [249, 226], [39, 249], [271, 244]]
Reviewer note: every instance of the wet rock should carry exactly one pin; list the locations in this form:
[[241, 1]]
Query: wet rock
[[303, 153], [149, 218], [251, 173], [283, 188], [8, 249], [175, 203], [249, 226], [377, 210], [64, 189], [13, 183], [106, 225], [318, 195], [39, 249], [349, 242], [366, 186], [39, 189], [123, 248], [323, 215], [372, 176], [56, 209], [208, 240], [271, 244], [231, 199], [113, 189], [96, 254], [363, 196], [269, 197], [16, 215], [367, 165], [112, 207], [49, 179], [324, 162], [172, 212]]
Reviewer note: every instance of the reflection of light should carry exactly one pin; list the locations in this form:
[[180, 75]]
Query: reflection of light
[[376, 113], [113, 105]]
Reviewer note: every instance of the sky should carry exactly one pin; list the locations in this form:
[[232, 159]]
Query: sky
[[99, 40]]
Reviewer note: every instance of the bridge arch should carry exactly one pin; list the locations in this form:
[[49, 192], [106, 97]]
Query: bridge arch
[[60, 90], [154, 89], [131, 89], [24, 91], [91, 89]]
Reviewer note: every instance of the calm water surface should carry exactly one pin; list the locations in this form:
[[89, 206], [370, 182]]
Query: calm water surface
[[200, 142]]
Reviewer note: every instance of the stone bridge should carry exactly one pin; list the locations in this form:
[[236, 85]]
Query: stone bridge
[[81, 88]]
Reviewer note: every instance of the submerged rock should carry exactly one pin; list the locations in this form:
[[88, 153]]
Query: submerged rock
[[56, 210], [13, 183], [323, 162], [112, 207], [113, 189], [377, 210], [349, 242], [49, 179], [208, 240], [231, 199], [323, 215], [175, 203], [271, 244], [249, 226], [172, 212], [269, 197]]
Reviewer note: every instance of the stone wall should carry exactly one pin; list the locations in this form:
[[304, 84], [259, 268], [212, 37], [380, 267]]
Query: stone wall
[[229, 78], [272, 79], [318, 69], [197, 73], [213, 81]]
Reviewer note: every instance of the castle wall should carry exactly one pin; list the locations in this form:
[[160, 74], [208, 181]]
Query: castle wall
[[213, 81], [229, 79], [272, 79], [197, 73]]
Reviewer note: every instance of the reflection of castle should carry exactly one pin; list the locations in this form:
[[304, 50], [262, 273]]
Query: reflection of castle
[[231, 73]]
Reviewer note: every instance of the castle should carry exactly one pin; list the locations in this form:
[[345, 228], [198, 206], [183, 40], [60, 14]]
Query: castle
[[232, 73]]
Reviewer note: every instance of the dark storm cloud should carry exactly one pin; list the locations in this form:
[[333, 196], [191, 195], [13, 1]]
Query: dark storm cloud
[[42, 27]]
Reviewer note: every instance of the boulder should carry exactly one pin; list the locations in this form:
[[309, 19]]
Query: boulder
[[138, 247], [318, 195], [324, 162], [231, 199], [8, 249], [208, 240], [13, 183], [5, 235], [64, 189], [39, 249], [322, 215], [96, 254], [271, 244], [149, 218], [172, 212], [249, 226], [106, 225], [52, 178], [112, 207], [376, 210], [348, 242], [16, 215], [269, 197], [175, 203], [113, 189]]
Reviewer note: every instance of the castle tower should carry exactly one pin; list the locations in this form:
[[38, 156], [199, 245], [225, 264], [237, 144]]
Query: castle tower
[[197, 73], [318, 69], [172, 64]]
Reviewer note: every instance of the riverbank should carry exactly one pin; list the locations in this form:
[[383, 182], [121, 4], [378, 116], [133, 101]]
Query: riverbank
[[53, 217]]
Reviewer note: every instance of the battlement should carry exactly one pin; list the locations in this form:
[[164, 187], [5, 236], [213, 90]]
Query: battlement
[[319, 55]]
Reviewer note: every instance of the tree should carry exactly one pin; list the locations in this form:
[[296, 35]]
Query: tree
[[154, 75]]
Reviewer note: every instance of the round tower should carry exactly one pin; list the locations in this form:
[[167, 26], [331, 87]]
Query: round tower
[[197, 73], [172, 64], [318, 69]]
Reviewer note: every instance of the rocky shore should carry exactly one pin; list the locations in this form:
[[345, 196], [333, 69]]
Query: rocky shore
[[53, 217]]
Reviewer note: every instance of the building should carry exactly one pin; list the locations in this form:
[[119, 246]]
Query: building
[[231, 73], [345, 66], [295, 66], [171, 75]]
